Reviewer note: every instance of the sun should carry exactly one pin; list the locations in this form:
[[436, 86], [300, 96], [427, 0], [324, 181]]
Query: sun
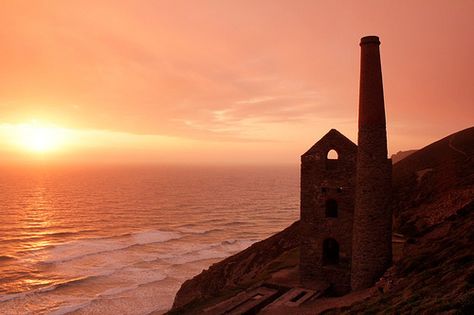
[[36, 138]]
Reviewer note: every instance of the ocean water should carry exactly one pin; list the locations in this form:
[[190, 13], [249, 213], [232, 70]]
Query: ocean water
[[121, 240]]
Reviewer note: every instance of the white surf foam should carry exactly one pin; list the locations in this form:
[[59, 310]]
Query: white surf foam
[[209, 251], [80, 248], [148, 237]]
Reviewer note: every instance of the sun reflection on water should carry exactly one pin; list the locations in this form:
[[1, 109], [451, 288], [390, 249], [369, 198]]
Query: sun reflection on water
[[28, 233], [38, 217]]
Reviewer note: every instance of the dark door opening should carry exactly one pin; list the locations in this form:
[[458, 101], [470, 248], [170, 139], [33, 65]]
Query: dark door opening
[[330, 252]]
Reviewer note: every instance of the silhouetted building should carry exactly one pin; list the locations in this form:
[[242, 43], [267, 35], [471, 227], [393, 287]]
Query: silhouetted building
[[327, 208], [345, 194]]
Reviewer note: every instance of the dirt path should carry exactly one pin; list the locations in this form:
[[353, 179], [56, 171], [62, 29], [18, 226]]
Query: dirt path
[[456, 149]]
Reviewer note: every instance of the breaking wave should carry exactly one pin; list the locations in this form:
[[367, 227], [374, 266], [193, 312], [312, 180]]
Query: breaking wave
[[88, 247], [212, 251]]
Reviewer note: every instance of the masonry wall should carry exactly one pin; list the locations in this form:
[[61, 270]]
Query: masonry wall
[[322, 180]]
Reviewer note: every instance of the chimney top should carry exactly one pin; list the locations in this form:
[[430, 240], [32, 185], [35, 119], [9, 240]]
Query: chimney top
[[370, 40]]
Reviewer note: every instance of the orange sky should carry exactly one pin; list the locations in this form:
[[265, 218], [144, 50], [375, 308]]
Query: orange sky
[[227, 81]]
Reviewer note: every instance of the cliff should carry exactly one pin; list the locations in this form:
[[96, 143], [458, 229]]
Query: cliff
[[240, 271], [433, 202]]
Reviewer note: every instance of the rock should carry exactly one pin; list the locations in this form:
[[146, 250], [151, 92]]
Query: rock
[[240, 270]]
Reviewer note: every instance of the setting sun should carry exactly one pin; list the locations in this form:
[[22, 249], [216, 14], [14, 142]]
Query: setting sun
[[36, 138]]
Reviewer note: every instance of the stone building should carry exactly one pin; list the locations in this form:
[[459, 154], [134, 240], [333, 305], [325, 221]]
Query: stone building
[[345, 213], [327, 208]]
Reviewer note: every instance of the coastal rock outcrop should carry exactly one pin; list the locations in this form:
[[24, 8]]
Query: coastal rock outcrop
[[243, 269]]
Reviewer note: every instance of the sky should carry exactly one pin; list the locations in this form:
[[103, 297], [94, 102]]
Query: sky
[[223, 82]]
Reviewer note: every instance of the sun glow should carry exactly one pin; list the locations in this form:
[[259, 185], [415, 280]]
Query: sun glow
[[38, 138]]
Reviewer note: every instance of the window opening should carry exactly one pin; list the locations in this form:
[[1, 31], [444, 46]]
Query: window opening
[[332, 155], [331, 208], [330, 252]]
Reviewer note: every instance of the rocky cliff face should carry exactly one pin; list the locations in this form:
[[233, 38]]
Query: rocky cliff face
[[241, 270], [433, 207]]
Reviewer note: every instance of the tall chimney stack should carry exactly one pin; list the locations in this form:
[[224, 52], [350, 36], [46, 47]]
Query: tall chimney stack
[[372, 231]]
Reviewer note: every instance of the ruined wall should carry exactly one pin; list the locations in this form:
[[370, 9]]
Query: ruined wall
[[323, 180]]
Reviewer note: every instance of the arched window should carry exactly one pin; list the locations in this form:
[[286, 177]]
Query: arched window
[[330, 252], [331, 208], [332, 155], [331, 159]]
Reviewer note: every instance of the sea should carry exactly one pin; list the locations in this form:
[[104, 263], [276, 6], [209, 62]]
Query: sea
[[122, 239]]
